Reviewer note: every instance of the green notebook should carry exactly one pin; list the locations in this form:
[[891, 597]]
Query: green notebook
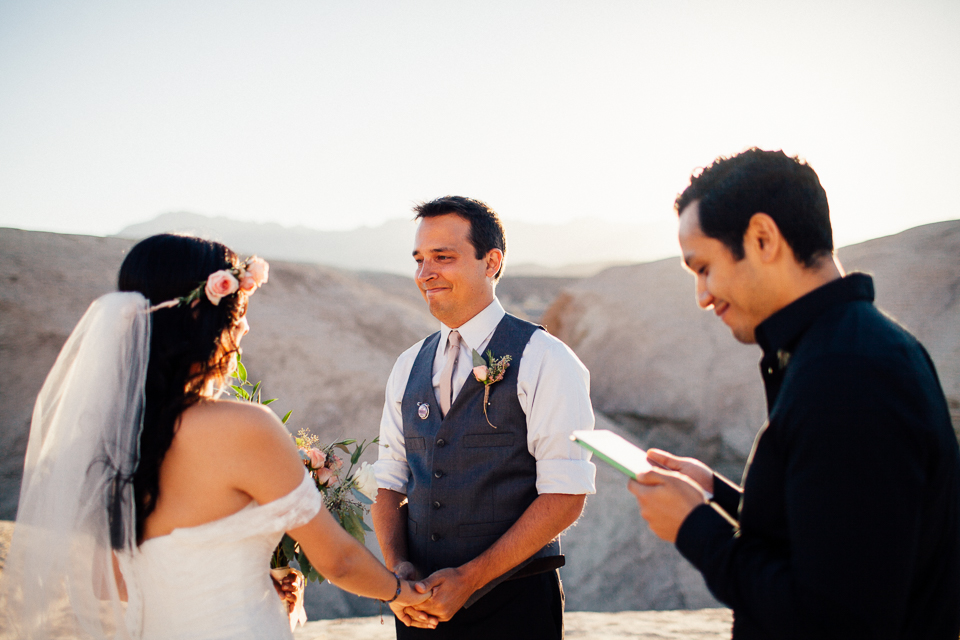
[[621, 454]]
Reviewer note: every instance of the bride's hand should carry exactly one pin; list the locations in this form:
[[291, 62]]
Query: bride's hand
[[404, 607], [289, 589], [409, 596]]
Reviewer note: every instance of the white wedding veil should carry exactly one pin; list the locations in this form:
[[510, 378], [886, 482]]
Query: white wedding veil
[[77, 492]]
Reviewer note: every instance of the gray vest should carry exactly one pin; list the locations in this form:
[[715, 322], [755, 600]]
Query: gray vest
[[469, 482]]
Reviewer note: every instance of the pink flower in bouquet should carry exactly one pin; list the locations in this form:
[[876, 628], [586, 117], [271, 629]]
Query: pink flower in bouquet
[[335, 461], [259, 270], [317, 457], [324, 476], [219, 284], [480, 373]]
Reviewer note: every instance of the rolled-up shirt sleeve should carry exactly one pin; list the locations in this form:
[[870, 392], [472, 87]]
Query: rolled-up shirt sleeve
[[391, 469], [553, 387]]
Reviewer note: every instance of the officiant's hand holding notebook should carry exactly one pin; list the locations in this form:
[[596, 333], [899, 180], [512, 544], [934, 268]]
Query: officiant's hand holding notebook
[[619, 453]]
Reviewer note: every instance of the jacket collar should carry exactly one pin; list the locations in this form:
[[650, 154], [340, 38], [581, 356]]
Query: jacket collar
[[783, 329]]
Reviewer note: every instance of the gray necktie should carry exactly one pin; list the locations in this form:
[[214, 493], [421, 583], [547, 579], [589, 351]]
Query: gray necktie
[[446, 376]]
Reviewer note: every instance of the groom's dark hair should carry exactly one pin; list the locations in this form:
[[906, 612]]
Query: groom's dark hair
[[486, 232]]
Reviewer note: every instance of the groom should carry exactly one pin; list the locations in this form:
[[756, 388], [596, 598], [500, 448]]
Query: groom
[[474, 495]]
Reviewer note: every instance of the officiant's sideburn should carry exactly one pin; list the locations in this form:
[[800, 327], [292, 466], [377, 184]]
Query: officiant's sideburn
[[480, 478]]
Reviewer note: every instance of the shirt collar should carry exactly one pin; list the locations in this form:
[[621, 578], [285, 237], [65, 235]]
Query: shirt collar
[[478, 328], [781, 330]]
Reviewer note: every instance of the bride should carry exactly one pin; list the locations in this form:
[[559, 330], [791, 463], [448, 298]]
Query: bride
[[140, 486]]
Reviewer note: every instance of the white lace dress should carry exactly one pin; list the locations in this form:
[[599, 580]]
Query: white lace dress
[[212, 581]]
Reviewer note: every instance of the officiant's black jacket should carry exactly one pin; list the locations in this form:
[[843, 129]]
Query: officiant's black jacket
[[849, 518]]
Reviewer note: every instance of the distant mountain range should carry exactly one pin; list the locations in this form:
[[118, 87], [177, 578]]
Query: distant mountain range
[[575, 249]]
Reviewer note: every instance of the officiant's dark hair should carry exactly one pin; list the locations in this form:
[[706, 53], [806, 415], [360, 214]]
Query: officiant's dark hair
[[190, 345], [786, 188], [486, 232]]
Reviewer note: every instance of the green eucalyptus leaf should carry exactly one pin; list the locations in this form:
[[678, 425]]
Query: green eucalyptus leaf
[[289, 547], [353, 525], [305, 567], [365, 527], [270, 401], [359, 496], [286, 417], [241, 371]]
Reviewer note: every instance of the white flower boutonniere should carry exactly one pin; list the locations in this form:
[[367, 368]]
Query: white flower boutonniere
[[489, 371]]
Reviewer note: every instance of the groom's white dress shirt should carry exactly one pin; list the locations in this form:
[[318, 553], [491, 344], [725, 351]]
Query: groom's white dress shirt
[[553, 388]]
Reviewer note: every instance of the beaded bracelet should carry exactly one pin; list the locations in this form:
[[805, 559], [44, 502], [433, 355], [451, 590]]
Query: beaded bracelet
[[397, 594]]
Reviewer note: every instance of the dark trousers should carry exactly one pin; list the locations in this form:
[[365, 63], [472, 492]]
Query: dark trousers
[[528, 608]]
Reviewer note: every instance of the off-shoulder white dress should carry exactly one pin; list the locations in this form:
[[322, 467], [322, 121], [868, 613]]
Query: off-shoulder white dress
[[212, 581]]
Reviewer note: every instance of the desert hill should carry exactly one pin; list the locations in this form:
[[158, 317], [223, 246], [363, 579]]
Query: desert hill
[[323, 340]]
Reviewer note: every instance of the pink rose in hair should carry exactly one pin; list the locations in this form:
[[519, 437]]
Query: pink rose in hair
[[247, 284], [259, 270], [317, 457], [219, 284]]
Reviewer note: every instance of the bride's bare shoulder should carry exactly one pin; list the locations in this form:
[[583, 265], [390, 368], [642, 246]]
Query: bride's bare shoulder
[[230, 420]]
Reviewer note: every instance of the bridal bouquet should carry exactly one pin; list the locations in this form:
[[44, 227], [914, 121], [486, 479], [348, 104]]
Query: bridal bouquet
[[348, 490], [346, 494]]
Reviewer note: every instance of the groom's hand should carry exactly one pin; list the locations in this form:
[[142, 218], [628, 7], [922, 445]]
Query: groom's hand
[[451, 589]]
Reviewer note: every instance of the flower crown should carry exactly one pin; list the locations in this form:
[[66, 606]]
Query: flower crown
[[248, 277]]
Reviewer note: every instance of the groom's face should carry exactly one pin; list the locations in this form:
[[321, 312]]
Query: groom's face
[[455, 283]]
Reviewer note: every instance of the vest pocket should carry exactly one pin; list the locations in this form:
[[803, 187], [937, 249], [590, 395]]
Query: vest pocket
[[488, 440], [415, 444], [485, 529]]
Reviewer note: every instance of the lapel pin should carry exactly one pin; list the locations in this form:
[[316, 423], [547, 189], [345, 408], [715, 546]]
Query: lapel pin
[[423, 410]]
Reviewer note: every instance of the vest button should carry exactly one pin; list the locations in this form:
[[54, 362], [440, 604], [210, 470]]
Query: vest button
[[436, 505], [435, 536], [441, 442], [438, 474]]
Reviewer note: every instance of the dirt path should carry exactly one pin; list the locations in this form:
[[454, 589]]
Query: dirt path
[[702, 624]]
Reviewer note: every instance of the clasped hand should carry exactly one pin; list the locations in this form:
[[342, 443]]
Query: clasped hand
[[445, 591]]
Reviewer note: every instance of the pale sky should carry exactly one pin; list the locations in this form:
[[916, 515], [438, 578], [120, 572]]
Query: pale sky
[[337, 114]]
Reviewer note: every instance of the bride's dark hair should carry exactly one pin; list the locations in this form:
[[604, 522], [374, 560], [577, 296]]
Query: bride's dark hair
[[190, 345]]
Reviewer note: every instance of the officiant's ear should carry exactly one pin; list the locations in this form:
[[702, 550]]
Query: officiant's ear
[[494, 262]]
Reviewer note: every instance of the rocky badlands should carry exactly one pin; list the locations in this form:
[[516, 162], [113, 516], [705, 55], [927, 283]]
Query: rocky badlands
[[663, 374]]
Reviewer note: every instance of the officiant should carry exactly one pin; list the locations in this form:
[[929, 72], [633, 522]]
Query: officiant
[[477, 475]]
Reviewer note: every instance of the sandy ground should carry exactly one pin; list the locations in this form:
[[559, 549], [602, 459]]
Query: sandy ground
[[6, 532], [700, 624]]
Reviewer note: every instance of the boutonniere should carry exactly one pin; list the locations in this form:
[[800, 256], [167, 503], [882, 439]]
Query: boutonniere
[[489, 371], [783, 358]]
